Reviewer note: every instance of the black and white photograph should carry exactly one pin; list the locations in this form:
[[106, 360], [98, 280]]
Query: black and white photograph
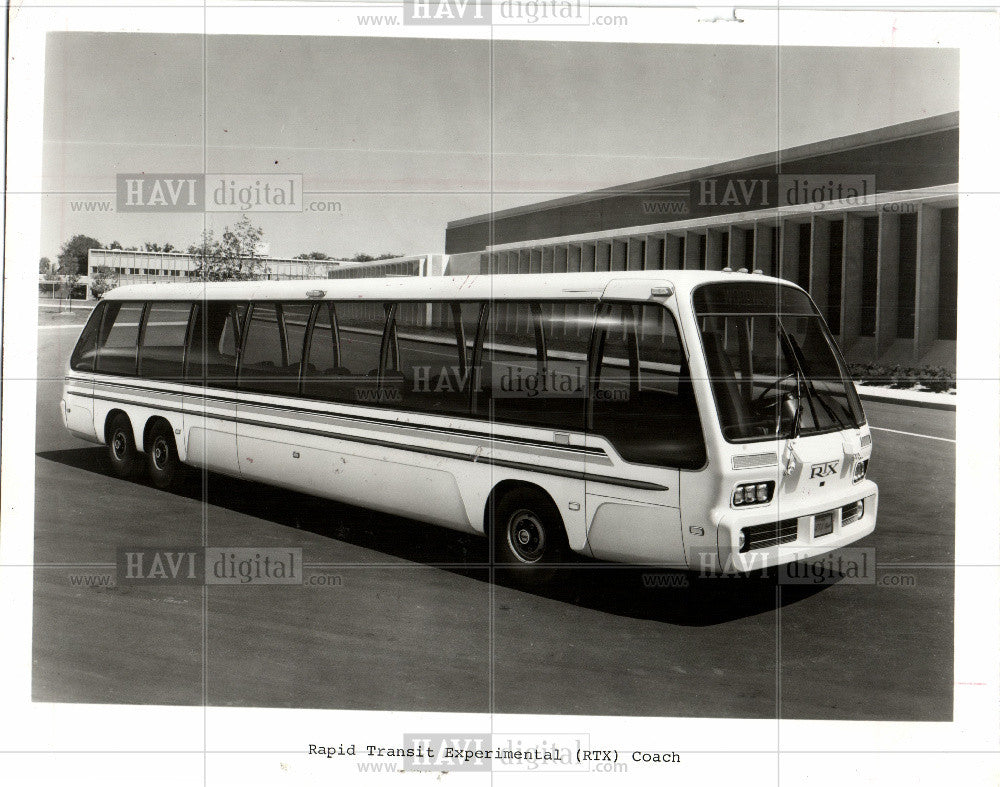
[[478, 390]]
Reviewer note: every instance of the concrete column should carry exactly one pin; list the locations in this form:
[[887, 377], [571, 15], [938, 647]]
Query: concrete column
[[560, 259], [850, 281], [603, 256], [887, 283], [654, 253], [672, 253], [619, 250], [574, 255], [788, 253], [636, 253], [692, 251], [925, 332], [737, 247], [762, 247], [548, 261], [714, 251], [819, 263]]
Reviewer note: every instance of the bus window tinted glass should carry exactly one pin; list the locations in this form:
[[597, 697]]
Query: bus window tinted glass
[[85, 352], [535, 362], [214, 342], [119, 338], [271, 355], [163, 339], [344, 348], [643, 400], [431, 357]]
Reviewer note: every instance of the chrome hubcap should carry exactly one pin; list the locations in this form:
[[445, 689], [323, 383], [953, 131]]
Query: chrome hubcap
[[118, 445], [526, 536]]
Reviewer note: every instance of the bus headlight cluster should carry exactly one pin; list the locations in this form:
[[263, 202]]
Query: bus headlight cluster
[[860, 470], [753, 494]]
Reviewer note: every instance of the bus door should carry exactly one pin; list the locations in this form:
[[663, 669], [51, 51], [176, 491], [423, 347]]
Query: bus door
[[636, 433]]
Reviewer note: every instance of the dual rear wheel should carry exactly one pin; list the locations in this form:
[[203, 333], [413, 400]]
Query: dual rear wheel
[[161, 459]]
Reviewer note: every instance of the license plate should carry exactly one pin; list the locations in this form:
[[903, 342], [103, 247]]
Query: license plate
[[823, 525]]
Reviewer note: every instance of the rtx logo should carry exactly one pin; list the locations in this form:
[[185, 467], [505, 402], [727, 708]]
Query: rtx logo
[[823, 469]]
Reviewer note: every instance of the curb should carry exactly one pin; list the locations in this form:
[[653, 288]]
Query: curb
[[889, 399]]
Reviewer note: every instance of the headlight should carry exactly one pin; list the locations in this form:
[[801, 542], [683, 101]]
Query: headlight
[[753, 494], [860, 470]]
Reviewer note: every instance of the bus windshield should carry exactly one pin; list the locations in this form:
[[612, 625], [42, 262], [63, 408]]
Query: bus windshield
[[774, 368]]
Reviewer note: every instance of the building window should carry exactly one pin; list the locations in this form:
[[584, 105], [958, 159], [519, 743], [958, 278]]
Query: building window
[[948, 281], [906, 314], [869, 275]]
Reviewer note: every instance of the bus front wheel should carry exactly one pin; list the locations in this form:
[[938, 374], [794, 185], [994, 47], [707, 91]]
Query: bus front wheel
[[528, 534]]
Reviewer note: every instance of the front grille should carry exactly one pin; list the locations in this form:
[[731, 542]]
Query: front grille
[[769, 534], [852, 512]]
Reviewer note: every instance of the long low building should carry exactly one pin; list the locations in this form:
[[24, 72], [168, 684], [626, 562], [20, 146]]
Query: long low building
[[146, 267], [868, 223]]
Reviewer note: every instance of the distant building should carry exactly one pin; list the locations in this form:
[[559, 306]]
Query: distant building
[[134, 267]]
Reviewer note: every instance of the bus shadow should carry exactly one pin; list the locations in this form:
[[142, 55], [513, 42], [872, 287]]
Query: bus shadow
[[647, 593]]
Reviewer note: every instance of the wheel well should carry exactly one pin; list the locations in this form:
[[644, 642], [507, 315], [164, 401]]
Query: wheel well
[[506, 487], [148, 430], [112, 415]]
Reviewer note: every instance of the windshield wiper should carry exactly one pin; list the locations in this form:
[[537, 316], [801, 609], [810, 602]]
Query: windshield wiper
[[814, 394]]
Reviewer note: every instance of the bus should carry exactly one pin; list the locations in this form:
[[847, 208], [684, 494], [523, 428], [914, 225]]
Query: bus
[[694, 420]]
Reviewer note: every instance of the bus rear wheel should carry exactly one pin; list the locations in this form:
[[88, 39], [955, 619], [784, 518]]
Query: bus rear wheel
[[165, 469], [529, 538], [122, 453]]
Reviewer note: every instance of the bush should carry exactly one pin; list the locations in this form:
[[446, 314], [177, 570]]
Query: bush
[[931, 378]]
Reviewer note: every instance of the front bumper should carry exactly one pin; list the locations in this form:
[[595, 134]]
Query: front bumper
[[805, 544]]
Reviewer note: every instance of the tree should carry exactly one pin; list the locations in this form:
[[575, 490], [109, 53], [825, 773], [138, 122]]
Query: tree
[[114, 245], [313, 255], [362, 257], [74, 252], [234, 257], [45, 266], [166, 247], [104, 278]]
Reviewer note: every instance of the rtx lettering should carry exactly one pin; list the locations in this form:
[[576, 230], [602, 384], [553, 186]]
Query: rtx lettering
[[823, 469], [738, 191]]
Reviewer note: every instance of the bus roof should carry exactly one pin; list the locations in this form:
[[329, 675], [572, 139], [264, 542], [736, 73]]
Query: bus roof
[[550, 286]]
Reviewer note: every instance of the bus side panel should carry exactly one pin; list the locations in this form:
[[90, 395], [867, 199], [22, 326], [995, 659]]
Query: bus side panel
[[403, 483], [77, 406], [210, 432]]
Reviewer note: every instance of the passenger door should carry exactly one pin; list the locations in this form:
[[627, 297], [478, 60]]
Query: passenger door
[[640, 406]]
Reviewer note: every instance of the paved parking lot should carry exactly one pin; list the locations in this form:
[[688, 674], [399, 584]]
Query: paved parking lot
[[404, 618]]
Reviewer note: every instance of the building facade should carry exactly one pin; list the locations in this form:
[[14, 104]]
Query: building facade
[[867, 223]]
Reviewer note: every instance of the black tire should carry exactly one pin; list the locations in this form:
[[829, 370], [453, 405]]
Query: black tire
[[123, 456], [529, 537], [165, 469]]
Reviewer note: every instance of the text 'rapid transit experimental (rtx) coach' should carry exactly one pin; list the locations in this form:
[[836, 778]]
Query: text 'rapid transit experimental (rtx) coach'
[[687, 419]]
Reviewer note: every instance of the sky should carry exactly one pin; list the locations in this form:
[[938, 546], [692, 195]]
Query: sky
[[408, 134]]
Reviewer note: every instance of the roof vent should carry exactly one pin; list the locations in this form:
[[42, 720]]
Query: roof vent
[[727, 269], [743, 270], [758, 271], [315, 293]]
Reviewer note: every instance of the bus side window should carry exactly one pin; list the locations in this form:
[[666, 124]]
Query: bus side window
[[344, 348], [431, 370], [214, 342], [535, 362], [161, 356], [273, 349], [85, 352], [119, 343], [642, 398]]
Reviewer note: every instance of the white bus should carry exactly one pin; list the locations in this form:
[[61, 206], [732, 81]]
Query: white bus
[[686, 419]]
